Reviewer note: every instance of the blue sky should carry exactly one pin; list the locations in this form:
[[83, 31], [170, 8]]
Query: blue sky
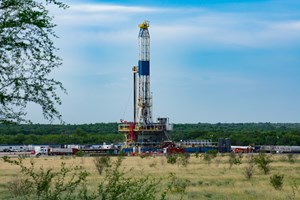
[[211, 60]]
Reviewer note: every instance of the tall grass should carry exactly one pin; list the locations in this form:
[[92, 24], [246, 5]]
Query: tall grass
[[199, 180]]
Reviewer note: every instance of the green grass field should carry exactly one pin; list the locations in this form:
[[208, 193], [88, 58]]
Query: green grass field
[[204, 180]]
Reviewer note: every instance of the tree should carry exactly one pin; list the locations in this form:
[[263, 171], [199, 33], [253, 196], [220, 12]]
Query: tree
[[27, 57]]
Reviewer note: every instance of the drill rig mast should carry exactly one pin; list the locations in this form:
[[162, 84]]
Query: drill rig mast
[[144, 98], [142, 132]]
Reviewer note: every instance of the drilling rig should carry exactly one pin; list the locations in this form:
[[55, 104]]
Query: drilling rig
[[142, 132]]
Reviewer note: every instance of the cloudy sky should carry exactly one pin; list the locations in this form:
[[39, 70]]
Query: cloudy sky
[[211, 60]]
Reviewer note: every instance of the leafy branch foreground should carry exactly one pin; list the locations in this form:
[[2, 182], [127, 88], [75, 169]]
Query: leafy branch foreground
[[71, 183], [28, 56]]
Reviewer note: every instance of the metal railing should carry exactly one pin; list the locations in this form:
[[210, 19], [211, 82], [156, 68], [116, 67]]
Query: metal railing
[[150, 127]]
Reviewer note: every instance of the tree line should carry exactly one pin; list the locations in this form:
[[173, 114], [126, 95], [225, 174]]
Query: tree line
[[239, 133]]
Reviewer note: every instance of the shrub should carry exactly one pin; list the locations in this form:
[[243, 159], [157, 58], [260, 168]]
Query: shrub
[[291, 158], [212, 153], [183, 159], [249, 170], [178, 185], [45, 184], [143, 155], [209, 155], [207, 158], [172, 158], [263, 162], [234, 160], [19, 187], [80, 154], [240, 156], [277, 181], [153, 164], [101, 163], [118, 186], [70, 184]]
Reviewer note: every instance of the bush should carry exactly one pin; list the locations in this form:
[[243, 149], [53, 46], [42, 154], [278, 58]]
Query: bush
[[101, 163], [277, 181], [45, 184], [117, 186], [207, 158], [153, 164], [209, 155], [80, 154], [291, 158], [70, 184], [19, 187], [178, 185], [212, 153], [172, 158], [183, 159], [234, 160], [263, 162], [249, 170]]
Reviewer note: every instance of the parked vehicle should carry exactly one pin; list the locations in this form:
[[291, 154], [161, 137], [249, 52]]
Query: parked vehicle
[[242, 149]]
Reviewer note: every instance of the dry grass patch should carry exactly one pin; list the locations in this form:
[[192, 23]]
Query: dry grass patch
[[214, 181]]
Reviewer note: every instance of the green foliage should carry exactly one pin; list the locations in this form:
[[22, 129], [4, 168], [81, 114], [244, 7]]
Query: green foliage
[[101, 163], [47, 184], [69, 130], [70, 183], [249, 168], [234, 160], [212, 153], [209, 155], [59, 134], [207, 158], [240, 134], [276, 181], [80, 153], [263, 162], [172, 158], [28, 56], [19, 186], [291, 158], [117, 186], [183, 159], [178, 185], [249, 171]]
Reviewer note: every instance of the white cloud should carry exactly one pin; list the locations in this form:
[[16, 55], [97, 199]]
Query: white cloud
[[111, 8], [205, 28], [232, 31], [99, 44], [288, 25], [101, 14]]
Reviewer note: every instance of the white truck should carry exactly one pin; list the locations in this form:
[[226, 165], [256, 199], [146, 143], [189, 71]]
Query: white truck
[[40, 150]]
